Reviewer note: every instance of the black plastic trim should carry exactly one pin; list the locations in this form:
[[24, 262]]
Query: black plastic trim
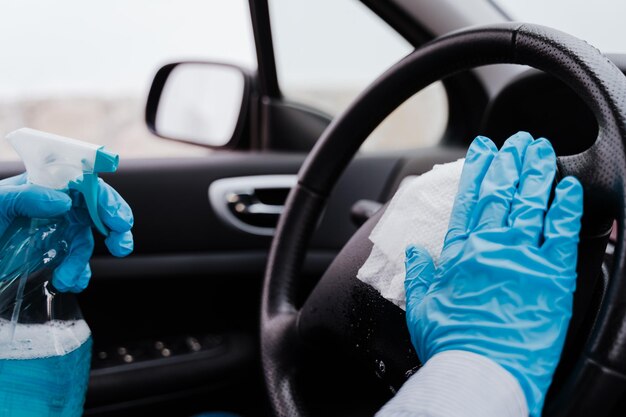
[[220, 264], [292, 126], [161, 376], [409, 29], [261, 26]]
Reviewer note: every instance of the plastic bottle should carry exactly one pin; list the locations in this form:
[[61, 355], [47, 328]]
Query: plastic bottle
[[45, 345]]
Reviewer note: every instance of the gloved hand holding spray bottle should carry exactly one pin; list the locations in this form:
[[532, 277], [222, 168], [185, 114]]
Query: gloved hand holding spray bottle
[[45, 345]]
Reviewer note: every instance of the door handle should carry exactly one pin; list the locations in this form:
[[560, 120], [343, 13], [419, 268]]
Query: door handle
[[252, 204], [247, 203]]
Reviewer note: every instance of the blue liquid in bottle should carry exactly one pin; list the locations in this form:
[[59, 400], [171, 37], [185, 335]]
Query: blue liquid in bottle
[[37, 381], [45, 345]]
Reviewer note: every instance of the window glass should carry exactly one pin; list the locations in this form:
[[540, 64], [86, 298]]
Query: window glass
[[328, 51], [600, 22], [83, 68]]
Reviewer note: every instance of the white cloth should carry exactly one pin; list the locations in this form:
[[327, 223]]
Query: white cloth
[[418, 214], [458, 384]]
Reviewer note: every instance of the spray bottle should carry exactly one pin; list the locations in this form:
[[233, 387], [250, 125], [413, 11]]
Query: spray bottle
[[45, 345]]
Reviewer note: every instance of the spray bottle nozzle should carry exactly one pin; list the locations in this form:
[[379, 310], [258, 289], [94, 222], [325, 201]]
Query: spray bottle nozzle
[[106, 161], [62, 163]]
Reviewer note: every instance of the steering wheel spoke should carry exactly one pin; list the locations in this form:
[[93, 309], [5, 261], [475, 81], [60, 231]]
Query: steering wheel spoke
[[343, 313]]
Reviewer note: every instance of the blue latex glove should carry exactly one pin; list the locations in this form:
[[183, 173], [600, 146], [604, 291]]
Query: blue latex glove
[[507, 273], [19, 199]]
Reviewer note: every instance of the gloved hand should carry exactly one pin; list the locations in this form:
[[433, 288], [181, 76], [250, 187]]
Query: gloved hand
[[18, 198], [507, 273]]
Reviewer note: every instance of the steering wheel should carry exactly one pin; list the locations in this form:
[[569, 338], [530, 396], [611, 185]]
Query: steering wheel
[[343, 309]]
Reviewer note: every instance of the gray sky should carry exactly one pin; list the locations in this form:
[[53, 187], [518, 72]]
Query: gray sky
[[113, 47], [599, 22], [61, 49]]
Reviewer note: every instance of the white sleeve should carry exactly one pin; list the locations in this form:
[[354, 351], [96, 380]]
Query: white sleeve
[[458, 384]]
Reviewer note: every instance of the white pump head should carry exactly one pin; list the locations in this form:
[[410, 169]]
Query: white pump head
[[62, 163], [52, 161]]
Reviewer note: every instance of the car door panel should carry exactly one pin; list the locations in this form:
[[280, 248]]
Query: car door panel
[[194, 277], [197, 275]]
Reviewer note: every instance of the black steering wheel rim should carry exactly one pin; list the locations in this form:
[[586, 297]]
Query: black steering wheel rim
[[599, 378]]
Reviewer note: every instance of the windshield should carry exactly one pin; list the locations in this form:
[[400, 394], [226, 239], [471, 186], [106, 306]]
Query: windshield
[[599, 22]]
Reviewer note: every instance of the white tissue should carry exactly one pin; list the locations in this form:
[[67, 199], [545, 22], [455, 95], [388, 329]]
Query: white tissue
[[418, 214]]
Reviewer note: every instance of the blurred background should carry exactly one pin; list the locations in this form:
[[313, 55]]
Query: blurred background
[[83, 69]]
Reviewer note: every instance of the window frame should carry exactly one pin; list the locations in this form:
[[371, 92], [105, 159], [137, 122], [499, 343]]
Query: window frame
[[467, 97]]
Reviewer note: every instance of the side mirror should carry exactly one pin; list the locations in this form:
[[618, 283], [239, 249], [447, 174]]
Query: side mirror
[[198, 102]]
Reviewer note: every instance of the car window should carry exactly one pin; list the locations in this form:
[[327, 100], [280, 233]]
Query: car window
[[328, 51], [83, 68], [600, 22]]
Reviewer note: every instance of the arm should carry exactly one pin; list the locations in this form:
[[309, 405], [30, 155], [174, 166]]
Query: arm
[[458, 383], [489, 321]]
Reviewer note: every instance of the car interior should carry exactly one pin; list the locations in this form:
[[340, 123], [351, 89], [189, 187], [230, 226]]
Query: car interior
[[233, 248]]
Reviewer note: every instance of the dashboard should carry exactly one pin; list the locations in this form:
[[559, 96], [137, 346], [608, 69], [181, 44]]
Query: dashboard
[[546, 107]]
